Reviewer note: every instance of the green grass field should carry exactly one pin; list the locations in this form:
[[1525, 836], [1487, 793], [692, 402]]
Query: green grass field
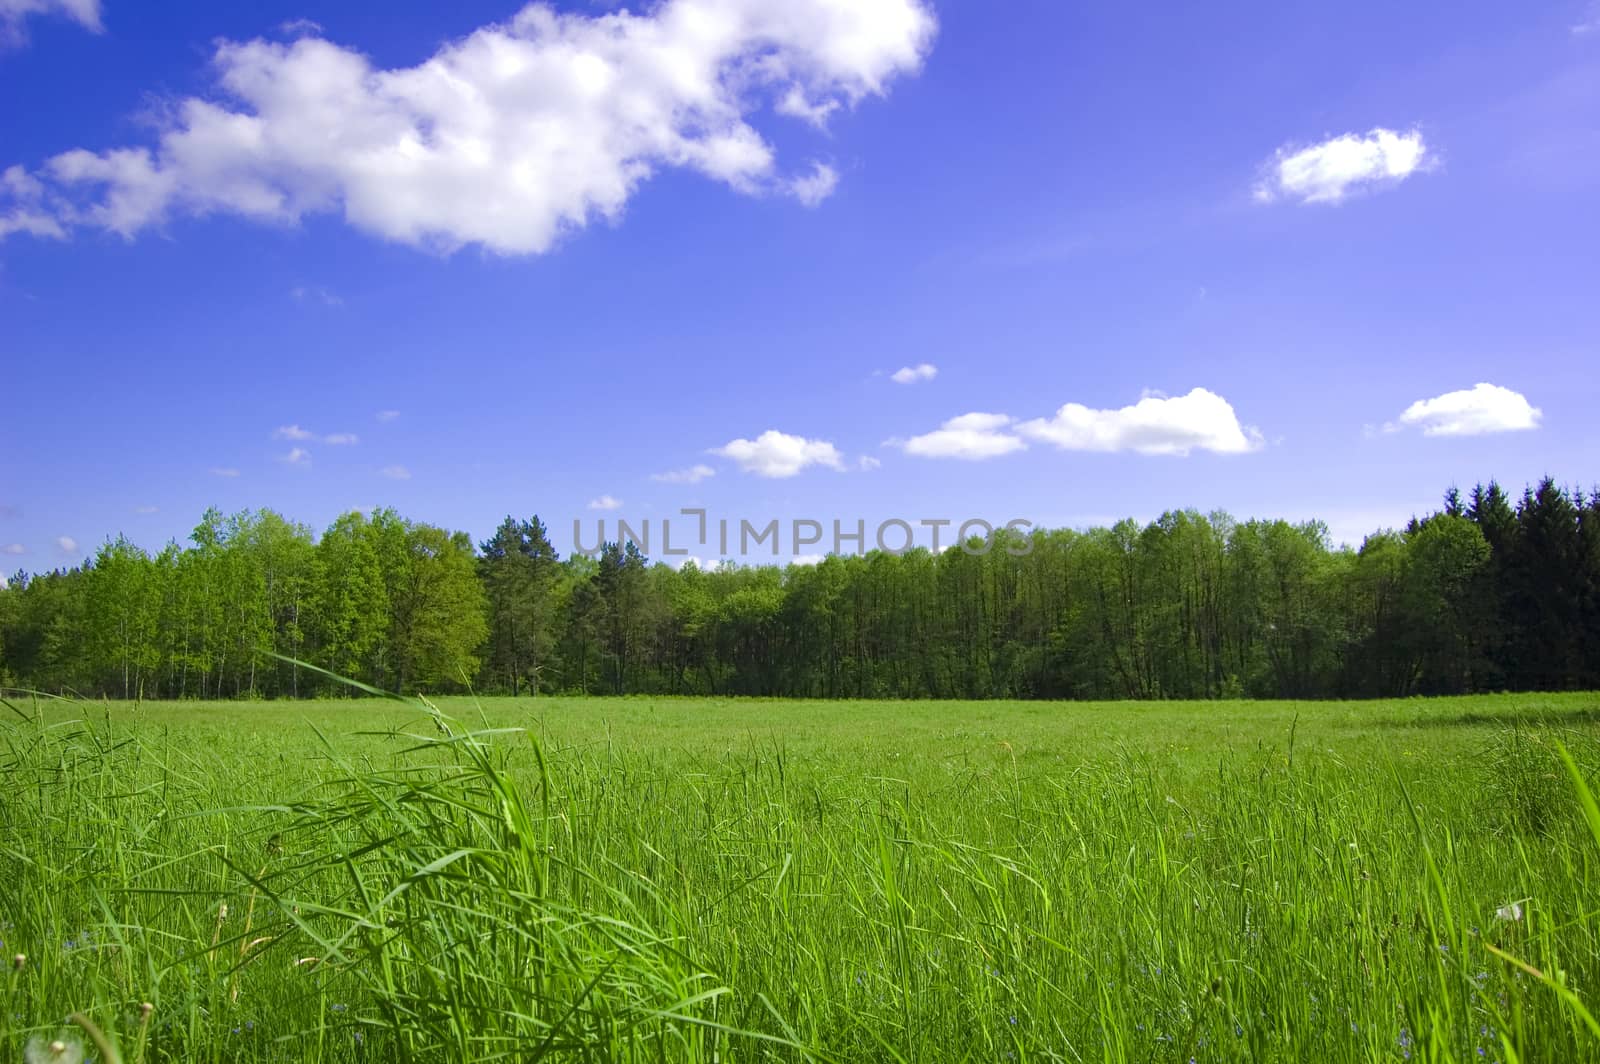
[[642, 880]]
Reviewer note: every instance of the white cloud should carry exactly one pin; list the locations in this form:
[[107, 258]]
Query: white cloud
[[778, 454], [1589, 22], [320, 295], [300, 27], [924, 371], [1201, 420], [13, 548], [795, 104], [29, 207], [298, 456], [387, 415], [66, 545], [85, 13], [222, 471], [605, 502], [866, 463], [971, 437], [811, 189], [1481, 409], [509, 137], [396, 472], [146, 509], [693, 475], [1327, 172], [299, 434]]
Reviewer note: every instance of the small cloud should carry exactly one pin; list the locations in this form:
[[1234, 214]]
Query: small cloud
[[1589, 22], [1477, 411], [222, 471], [85, 13], [777, 454], [795, 104], [341, 439], [67, 545], [866, 463], [298, 456], [605, 502], [1327, 172], [924, 371], [146, 509], [396, 472], [970, 437], [300, 27], [811, 189], [304, 294], [292, 432], [387, 415], [13, 548], [1201, 420], [693, 475]]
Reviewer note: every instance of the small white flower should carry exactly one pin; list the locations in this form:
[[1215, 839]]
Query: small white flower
[[1511, 912], [41, 1052]]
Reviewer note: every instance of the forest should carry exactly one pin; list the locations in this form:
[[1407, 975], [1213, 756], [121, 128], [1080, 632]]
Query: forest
[[1489, 593]]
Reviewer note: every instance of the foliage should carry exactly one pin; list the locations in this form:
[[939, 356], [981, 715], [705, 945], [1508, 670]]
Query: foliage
[[1481, 596]]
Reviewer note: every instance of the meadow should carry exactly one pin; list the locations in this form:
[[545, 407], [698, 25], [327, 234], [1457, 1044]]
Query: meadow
[[656, 879]]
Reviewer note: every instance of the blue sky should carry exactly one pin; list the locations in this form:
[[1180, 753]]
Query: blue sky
[[534, 261]]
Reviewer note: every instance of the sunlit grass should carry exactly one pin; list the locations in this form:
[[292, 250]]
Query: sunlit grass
[[640, 880]]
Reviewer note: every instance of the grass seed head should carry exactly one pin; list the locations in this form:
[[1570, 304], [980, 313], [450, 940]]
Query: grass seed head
[[19, 962]]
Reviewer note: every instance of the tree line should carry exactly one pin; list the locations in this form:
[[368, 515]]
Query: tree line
[[1488, 593]]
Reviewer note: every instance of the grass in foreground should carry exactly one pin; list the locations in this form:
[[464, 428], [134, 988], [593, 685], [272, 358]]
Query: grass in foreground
[[641, 880]]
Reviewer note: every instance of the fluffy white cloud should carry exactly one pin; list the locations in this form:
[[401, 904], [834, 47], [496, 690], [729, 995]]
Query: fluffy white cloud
[[341, 439], [1201, 420], [395, 472], [867, 463], [605, 502], [1475, 411], [85, 13], [66, 545], [971, 436], [1327, 172], [924, 371], [146, 509], [13, 548], [693, 475], [298, 456], [509, 137], [778, 454]]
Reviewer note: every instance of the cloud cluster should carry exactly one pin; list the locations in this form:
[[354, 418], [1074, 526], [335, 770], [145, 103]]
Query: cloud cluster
[[1476, 411], [605, 502], [1328, 172], [507, 138], [778, 454], [1156, 424]]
